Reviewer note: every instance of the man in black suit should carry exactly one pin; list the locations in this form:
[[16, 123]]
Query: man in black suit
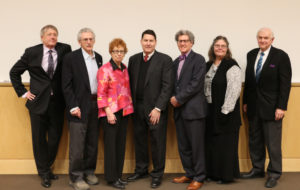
[[45, 101], [79, 84], [151, 84], [266, 94], [190, 110]]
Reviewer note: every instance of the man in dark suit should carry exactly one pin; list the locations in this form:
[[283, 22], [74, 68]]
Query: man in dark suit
[[266, 94], [151, 84], [45, 101], [79, 84], [190, 110]]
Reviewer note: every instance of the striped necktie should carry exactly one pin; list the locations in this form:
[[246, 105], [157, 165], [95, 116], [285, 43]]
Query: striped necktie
[[259, 64]]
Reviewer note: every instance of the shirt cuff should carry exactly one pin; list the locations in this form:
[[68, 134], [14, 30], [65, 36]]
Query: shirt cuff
[[24, 95], [157, 109], [73, 109]]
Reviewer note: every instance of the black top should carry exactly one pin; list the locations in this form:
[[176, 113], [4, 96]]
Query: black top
[[141, 80]]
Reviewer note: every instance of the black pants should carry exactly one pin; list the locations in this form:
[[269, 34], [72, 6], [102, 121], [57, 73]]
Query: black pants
[[190, 138], [266, 134], [84, 145], [46, 125], [114, 146], [157, 139]]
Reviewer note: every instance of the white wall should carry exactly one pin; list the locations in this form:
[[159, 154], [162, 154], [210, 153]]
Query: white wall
[[239, 20]]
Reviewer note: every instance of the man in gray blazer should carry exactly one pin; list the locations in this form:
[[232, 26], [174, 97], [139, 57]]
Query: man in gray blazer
[[189, 110]]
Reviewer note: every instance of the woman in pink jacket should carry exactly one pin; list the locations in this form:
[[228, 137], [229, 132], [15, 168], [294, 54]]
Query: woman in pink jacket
[[115, 104]]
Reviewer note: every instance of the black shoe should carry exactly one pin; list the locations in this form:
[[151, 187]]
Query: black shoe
[[156, 182], [122, 181], [46, 182], [53, 176], [253, 174], [117, 184], [271, 182], [136, 176]]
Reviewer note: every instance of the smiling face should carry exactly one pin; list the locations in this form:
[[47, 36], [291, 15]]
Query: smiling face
[[220, 49], [49, 38], [148, 43], [118, 54], [265, 38], [184, 44], [87, 41]]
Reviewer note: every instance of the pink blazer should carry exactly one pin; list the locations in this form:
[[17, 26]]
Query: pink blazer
[[113, 90]]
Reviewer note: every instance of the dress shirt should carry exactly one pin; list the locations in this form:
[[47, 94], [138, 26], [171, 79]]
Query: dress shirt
[[92, 68], [149, 55], [264, 58], [181, 63]]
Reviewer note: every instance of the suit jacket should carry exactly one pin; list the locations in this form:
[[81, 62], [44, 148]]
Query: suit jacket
[[158, 82], [76, 84], [273, 87], [189, 87], [40, 83]]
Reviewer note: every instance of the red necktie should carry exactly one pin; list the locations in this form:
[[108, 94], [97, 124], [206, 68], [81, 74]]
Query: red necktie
[[146, 58]]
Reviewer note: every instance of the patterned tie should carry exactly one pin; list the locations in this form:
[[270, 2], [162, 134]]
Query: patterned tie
[[181, 61], [146, 58], [50, 64], [259, 64]]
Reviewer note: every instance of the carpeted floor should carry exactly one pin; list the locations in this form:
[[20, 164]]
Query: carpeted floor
[[288, 181]]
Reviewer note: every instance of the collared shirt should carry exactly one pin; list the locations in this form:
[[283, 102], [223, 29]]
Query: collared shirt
[[46, 56], [92, 68], [180, 65], [264, 58], [115, 66], [149, 55]]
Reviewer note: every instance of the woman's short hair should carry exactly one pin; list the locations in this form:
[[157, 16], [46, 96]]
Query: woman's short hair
[[116, 43]]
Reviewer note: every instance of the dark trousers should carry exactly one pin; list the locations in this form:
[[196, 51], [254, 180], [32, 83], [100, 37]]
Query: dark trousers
[[114, 146], [157, 139], [190, 138], [84, 145], [264, 134], [46, 132]]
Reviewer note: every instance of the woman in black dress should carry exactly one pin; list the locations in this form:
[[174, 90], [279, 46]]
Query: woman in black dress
[[222, 90]]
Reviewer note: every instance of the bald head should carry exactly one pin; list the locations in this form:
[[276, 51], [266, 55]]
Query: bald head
[[265, 38]]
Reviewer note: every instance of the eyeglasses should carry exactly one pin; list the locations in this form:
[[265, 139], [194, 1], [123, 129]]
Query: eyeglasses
[[118, 52], [183, 41], [220, 46], [88, 39]]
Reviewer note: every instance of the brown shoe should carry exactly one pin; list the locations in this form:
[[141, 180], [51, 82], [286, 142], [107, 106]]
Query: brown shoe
[[182, 179], [194, 185]]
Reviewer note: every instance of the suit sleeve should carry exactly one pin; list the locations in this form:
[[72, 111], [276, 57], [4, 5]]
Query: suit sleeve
[[67, 82], [196, 84], [285, 76], [16, 71], [167, 85]]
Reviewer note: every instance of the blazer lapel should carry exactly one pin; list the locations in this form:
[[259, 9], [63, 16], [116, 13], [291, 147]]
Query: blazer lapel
[[152, 64], [83, 69], [267, 62], [185, 64], [137, 64]]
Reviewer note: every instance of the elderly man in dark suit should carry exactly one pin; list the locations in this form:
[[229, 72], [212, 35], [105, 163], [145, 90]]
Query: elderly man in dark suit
[[151, 84], [45, 101], [266, 94], [79, 84], [190, 110]]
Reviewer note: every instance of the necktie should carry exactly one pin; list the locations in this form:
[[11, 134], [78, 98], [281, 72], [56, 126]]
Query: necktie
[[259, 64], [181, 59], [50, 64], [146, 58]]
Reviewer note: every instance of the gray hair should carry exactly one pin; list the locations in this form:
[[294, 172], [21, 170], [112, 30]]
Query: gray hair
[[266, 29], [185, 32], [83, 30], [45, 28]]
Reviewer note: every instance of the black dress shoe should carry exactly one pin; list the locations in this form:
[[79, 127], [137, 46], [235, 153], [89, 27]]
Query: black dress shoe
[[53, 176], [271, 182], [124, 182], [117, 184], [156, 182], [46, 182], [253, 174], [136, 176]]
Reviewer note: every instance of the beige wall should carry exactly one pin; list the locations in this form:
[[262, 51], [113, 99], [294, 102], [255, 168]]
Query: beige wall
[[16, 155]]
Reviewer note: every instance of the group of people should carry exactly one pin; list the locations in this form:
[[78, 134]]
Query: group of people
[[205, 98]]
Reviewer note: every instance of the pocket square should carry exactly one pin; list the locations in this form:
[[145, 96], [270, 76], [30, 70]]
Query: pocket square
[[272, 66]]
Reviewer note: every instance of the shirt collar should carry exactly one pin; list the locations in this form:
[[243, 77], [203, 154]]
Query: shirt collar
[[115, 66], [149, 55], [187, 54], [86, 55], [265, 52], [46, 49]]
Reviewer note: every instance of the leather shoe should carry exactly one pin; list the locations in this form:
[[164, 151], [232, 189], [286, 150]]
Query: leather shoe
[[46, 182], [182, 179], [117, 184], [53, 176], [271, 182], [136, 176], [156, 182], [253, 174], [194, 185], [124, 182]]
